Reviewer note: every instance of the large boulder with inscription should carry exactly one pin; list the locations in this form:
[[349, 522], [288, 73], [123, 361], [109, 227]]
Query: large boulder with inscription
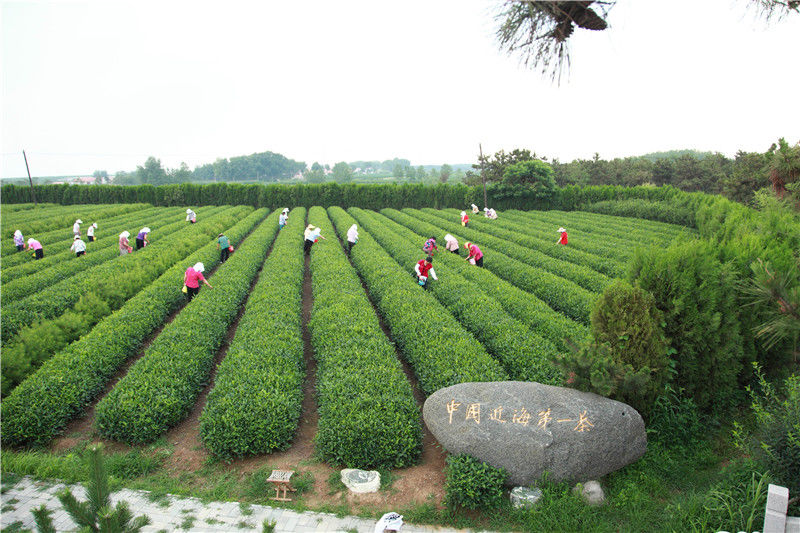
[[529, 428]]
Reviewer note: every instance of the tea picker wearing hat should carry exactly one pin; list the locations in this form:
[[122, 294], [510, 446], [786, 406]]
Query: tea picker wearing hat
[[224, 246], [76, 227], [312, 235], [141, 238], [78, 246], [475, 256], [192, 279], [563, 238], [191, 216], [90, 231]]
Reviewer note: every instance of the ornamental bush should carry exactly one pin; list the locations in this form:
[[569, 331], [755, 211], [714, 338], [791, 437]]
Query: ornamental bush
[[627, 358], [473, 484]]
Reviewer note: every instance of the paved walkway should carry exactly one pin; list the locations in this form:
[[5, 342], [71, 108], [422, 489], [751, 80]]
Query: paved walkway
[[174, 513]]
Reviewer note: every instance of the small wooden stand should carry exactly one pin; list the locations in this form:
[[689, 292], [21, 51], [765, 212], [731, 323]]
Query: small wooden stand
[[281, 479]]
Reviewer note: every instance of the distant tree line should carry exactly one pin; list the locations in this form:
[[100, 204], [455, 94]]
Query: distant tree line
[[737, 179]]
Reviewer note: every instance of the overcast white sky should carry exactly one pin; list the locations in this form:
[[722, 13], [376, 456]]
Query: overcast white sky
[[103, 85]]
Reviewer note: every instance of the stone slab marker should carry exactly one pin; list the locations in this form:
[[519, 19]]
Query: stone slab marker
[[529, 428], [777, 505]]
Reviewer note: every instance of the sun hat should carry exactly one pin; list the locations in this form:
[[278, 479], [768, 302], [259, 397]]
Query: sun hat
[[94, 224], [467, 245], [77, 237], [31, 241], [188, 211], [125, 234], [17, 232], [145, 230], [463, 213], [199, 267], [79, 221], [561, 230]]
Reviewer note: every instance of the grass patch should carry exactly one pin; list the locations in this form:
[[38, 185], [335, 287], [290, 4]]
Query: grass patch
[[245, 508], [188, 522]]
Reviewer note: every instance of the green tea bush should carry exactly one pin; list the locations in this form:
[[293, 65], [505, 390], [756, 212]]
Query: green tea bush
[[368, 417], [256, 401], [696, 293], [627, 358], [543, 240], [35, 343], [580, 274], [419, 324], [523, 353], [68, 265], [473, 484], [118, 279], [663, 211], [56, 243], [559, 293], [160, 388], [522, 305], [39, 408]]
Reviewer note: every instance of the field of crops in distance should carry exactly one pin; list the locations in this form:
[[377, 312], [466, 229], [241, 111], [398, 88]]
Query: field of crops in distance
[[112, 340]]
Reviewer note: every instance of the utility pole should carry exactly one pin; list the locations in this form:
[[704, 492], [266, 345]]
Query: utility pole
[[33, 194], [483, 178]]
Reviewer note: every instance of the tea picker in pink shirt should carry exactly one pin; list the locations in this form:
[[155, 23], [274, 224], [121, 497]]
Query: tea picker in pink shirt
[[192, 279], [36, 246]]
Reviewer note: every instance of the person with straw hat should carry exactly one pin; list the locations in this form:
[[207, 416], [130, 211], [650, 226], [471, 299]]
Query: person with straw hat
[[475, 256], [36, 246], [90, 231], [192, 279], [312, 235], [283, 218], [78, 246], [141, 238], [76, 227], [19, 240], [124, 245], [563, 238]]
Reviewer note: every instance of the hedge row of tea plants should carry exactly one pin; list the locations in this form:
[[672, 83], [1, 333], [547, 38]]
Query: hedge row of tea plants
[[544, 242], [65, 218], [522, 305], [8, 209], [659, 210], [118, 278], [621, 228], [70, 265], [59, 251], [523, 353], [368, 417], [35, 343], [160, 389], [591, 239], [439, 349], [38, 410], [581, 275], [257, 398], [558, 292], [59, 240]]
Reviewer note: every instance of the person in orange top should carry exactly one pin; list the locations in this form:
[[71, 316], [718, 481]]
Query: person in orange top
[[563, 238]]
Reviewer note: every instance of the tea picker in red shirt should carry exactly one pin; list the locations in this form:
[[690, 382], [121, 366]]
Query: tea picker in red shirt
[[563, 238], [475, 256], [423, 269]]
